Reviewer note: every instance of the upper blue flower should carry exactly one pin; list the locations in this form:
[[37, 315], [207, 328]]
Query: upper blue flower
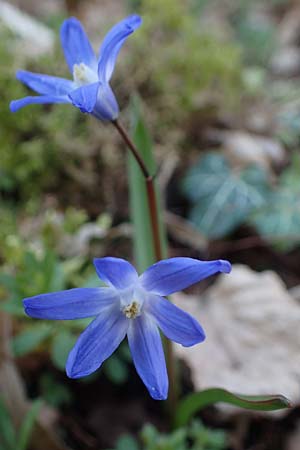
[[90, 90], [132, 305]]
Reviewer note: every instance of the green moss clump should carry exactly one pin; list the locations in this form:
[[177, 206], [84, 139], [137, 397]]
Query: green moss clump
[[188, 66], [34, 142]]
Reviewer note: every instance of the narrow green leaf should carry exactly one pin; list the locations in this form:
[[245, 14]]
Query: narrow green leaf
[[7, 431], [31, 338], [143, 241], [27, 426], [199, 400]]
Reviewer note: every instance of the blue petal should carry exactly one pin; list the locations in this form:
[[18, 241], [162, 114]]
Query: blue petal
[[45, 84], [85, 97], [148, 355], [112, 44], [76, 45], [175, 323], [116, 272], [98, 341], [71, 304], [174, 274], [15, 105], [106, 107]]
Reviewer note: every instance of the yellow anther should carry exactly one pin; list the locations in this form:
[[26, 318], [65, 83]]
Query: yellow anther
[[83, 74], [79, 73], [132, 311]]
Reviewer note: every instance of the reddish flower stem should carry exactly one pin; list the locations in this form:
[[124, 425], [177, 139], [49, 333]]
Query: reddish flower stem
[[153, 211]]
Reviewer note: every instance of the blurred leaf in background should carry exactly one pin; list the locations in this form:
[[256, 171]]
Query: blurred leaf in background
[[279, 219], [222, 197], [12, 439], [255, 32], [54, 393]]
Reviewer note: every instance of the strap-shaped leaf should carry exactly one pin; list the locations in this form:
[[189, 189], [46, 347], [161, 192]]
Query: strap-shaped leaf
[[143, 242], [7, 430], [27, 426], [199, 400]]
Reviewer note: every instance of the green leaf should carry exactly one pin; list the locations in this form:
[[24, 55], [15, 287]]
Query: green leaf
[[143, 241], [53, 273], [127, 442], [61, 345], [199, 400], [8, 281], [258, 41], [27, 426], [279, 220], [206, 438], [31, 338], [54, 393], [7, 431], [222, 197], [13, 306]]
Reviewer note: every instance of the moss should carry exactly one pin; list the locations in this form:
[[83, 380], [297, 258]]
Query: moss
[[35, 140], [188, 67]]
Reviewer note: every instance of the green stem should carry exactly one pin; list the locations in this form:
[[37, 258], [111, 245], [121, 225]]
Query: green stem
[[153, 211]]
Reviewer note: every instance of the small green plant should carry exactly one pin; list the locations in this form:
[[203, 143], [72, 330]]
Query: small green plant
[[195, 436], [57, 338]]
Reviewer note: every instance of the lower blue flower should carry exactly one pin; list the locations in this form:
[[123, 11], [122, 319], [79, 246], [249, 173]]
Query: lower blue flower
[[130, 305]]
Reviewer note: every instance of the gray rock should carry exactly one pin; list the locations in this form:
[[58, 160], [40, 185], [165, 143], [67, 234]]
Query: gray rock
[[286, 62], [253, 335], [35, 38], [245, 148]]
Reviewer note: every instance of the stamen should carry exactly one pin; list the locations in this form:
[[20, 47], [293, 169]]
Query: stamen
[[132, 311], [83, 74]]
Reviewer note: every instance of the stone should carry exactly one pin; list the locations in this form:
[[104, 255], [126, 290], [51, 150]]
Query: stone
[[245, 148], [253, 334], [34, 38], [286, 62]]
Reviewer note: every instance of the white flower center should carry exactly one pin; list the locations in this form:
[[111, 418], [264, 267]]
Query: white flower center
[[83, 74], [132, 310]]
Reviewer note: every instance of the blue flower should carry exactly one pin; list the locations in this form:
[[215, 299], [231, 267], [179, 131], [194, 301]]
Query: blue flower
[[90, 90], [131, 305]]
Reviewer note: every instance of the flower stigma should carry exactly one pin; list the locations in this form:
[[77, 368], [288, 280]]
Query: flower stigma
[[133, 310], [83, 74]]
